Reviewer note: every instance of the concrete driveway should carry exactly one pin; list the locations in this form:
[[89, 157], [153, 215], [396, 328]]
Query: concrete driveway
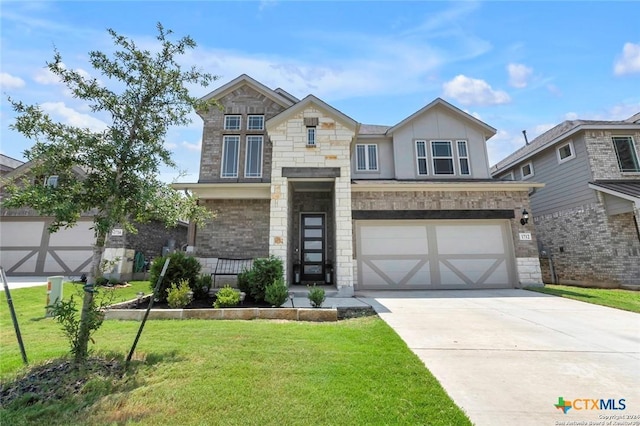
[[506, 356]]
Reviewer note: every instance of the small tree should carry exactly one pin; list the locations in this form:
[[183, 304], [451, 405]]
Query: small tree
[[119, 166]]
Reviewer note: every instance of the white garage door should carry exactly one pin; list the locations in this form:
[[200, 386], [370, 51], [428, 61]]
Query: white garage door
[[27, 248], [434, 254]]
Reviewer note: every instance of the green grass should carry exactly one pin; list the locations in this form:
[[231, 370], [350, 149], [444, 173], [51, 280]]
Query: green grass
[[198, 372], [627, 300]]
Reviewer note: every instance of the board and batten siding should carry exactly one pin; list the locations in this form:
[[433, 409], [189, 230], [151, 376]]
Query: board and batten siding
[[385, 160], [439, 124]]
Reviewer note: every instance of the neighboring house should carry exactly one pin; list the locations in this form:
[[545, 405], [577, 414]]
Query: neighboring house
[[28, 248], [586, 216], [411, 206]]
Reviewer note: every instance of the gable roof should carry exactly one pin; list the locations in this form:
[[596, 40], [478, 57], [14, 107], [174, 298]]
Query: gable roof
[[557, 134], [7, 163], [489, 131], [312, 100], [25, 167], [244, 79]]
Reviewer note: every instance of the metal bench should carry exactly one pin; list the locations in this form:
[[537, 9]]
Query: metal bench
[[230, 267]]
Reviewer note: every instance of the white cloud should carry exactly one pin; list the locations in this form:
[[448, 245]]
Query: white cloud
[[46, 77], [195, 147], [8, 81], [503, 144], [629, 62], [540, 129], [471, 91], [571, 116], [73, 117], [519, 75]]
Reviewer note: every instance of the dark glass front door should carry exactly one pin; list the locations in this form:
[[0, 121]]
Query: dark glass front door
[[313, 249]]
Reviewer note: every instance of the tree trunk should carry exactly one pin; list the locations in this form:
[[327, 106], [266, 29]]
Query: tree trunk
[[82, 345]]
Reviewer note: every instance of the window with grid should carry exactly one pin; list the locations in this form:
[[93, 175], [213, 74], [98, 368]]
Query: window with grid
[[230, 154], [421, 157], [255, 122], [232, 122], [626, 153], [463, 157], [311, 136], [442, 157], [253, 161], [366, 157]]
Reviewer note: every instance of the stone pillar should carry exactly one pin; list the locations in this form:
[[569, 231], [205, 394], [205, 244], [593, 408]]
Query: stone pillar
[[344, 232], [279, 218], [529, 272]]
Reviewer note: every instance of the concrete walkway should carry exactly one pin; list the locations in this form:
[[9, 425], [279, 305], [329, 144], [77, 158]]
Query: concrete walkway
[[506, 356], [21, 282]]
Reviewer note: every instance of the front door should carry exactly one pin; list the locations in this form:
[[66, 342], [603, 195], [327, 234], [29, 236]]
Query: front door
[[313, 246]]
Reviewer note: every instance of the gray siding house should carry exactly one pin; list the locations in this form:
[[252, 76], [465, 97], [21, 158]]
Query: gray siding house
[[357, 206], [586, 216]]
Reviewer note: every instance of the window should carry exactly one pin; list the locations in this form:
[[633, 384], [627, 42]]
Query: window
[[527, 171], [508, 176], [367, 157], [421, 157], [463, 158], [232, 122], [253, 163], [565, 152], [442, 157], [230, 148], [311, 136], [255, 122], [52, 181], [626, 152]]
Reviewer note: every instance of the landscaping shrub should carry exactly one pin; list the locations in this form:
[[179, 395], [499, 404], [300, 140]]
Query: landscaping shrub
[[244, 280], [227, 297], [316, 296], [178, 295], [263, 273], [276, 293], [202, 287], [180, 267]]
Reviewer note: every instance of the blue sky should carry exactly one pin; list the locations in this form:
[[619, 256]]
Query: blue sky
[[515, 65]]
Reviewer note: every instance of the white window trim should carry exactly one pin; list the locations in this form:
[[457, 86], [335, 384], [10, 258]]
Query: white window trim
[[239, 122], [315, 136], [249, 121], [246, 160], [570, 157], [530, 175], [222, 163], [52, 181], [434, 158], [366, 157], [425, 157], [457, 153], [508, 176]]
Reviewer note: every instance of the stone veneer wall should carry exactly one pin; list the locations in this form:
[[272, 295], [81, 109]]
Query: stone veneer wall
[[240, 230], [602, 155], [590, 248], [333, 141], [243, 101], [526, 252]]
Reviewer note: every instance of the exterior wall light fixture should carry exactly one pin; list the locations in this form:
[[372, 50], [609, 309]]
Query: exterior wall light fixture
[[525, 217]]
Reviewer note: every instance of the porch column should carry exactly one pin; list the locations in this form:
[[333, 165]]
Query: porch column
[[279, 218], [343, 234]]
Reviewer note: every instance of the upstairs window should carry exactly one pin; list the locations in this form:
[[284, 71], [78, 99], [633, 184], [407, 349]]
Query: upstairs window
[[253, 162], [626, 153], [421, 157], [527, 170], [565, 152], [366, 157], [508, 176], [442, 157], [255, 122], [52, 181], [230, 154], [232, 122], [311, 136], [463, 157]]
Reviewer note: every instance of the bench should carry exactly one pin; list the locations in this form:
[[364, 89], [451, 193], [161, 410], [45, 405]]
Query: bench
[[229, 266]]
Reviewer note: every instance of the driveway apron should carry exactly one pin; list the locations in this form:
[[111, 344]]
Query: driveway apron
[[507, 356]]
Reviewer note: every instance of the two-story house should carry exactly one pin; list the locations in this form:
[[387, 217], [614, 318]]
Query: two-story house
[[357, 206], [587, 215]]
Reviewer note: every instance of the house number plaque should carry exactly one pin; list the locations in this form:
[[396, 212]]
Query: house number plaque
[[525, 236]]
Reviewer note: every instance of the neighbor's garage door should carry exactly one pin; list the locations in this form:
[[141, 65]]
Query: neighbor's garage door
[[434, 254], [27, 248]]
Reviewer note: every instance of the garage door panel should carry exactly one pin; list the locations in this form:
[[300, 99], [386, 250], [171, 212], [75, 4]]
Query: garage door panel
[[10, 258], [471, 254], [19, 234]]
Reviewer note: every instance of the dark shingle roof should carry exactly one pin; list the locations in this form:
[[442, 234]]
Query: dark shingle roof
[[373, 129], [629, 187]]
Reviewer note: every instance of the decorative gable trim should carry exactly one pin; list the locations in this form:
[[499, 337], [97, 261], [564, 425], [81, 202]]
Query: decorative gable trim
[[344, 119]]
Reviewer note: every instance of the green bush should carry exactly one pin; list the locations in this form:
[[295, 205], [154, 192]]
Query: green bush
[[102, 281], [316, 296], [277, 293], [263, 273], [178, 295], [202, 287], [244, 280], [181, 267], [227, 297]]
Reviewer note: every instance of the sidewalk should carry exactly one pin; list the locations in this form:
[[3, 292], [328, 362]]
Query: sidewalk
[[21, 282]]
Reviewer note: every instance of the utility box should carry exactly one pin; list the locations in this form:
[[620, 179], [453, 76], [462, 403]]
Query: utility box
[[54, 292]]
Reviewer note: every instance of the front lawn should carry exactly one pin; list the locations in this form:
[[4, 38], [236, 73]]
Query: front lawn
[[195, 372], [627, 300]]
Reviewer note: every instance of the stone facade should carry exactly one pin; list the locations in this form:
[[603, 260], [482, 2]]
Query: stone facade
[[590, 248], [602, 155]]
